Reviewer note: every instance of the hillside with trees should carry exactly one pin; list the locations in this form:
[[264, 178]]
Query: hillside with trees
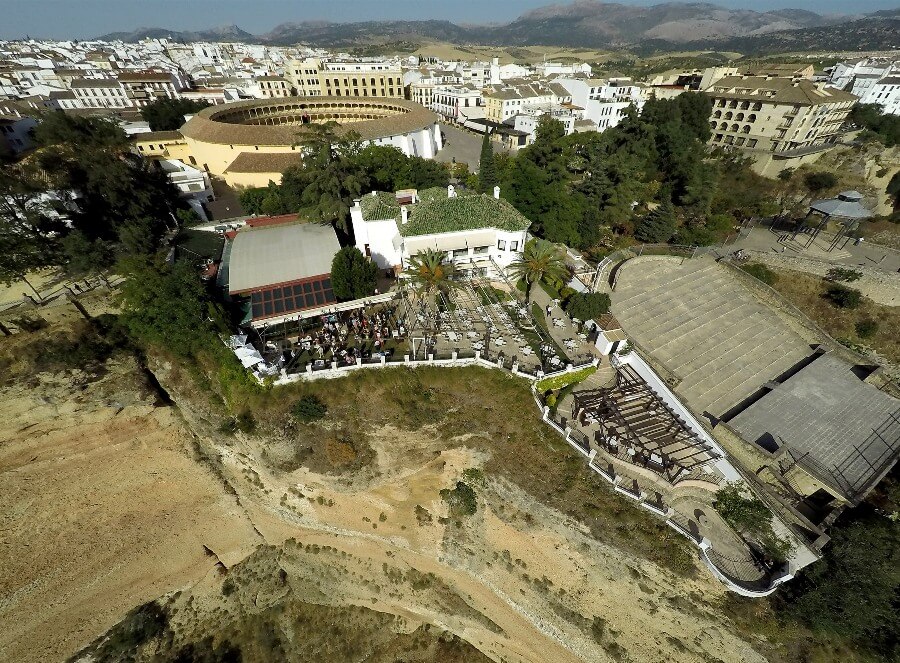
[[650, 179]]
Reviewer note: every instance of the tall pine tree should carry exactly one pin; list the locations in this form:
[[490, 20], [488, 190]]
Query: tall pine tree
[[487, 170], [659, 225]]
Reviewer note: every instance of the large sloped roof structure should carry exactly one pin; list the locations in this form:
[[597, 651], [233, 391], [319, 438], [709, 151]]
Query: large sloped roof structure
[[842, 430], [847, 205], [280, 254]]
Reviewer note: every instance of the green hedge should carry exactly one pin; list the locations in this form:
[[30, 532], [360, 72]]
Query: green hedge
[[560, 381]]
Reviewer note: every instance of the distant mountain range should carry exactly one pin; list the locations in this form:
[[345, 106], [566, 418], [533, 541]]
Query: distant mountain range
[[591, 24]]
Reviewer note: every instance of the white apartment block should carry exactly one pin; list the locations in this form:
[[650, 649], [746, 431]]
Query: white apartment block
[[101, 93], [527, 121], [874, 81], [605, 102], [547, 69], [885, 92], [145, 87], [273, 87], [452, 102]]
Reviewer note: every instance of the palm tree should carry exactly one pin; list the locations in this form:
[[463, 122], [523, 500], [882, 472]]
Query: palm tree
[[541, 260], [429, 273]]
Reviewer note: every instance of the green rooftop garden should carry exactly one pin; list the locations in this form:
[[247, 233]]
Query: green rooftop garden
[[436, 213], [382, 205]]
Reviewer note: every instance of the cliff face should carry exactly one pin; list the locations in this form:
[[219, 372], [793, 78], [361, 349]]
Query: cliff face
[[102, 505]]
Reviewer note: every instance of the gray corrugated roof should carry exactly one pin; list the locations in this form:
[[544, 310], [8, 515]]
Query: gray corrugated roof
[[844, 206], [827, 412], [280, 254]]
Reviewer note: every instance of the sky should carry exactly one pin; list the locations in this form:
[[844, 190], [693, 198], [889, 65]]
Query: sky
[[81, 19]]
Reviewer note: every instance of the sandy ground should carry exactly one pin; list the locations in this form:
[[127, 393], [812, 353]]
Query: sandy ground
[[101, 508], [109, 499], [532, 582]]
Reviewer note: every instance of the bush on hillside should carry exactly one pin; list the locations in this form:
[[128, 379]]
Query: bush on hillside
[[308, 409], [866, 328], [844, 297]]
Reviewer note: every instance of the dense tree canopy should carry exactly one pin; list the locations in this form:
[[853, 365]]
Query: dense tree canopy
[[880, 126], [593, 189], [853, 592], [167, 306], [168, 114], [337, 169], [353, 276], [116, 203]]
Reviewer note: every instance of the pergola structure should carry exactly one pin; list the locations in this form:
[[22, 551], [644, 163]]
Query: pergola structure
[[636, 424], [846, 206]]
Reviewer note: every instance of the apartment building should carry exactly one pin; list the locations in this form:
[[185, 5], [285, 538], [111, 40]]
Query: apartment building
[[504, 102], [605, 102], [101, 93], [314, 77], [273, 87], [145, 87], [450, 102], [884, 92], [422, 88], [777, 115]]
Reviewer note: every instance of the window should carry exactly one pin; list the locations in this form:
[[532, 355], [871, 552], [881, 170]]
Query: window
[[501, 245], [514, 246], [480, 250]]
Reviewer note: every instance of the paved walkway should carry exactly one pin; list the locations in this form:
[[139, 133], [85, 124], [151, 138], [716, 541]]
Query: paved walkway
[[568, 332], [463, 146], [764, 238]]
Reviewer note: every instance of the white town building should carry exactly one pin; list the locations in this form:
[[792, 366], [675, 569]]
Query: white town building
[[480, 234]]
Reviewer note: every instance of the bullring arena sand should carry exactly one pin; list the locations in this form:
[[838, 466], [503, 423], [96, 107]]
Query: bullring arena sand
[[109, 500]]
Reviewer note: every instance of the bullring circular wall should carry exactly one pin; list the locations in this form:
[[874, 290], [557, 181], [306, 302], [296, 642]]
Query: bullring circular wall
[[217, 135]]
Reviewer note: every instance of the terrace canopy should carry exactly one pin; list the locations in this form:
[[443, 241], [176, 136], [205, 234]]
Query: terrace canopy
[[846, 206], [637, 425]]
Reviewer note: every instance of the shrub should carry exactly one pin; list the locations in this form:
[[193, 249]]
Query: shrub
[[843, 274], [564, 379], [843, 296], [550, 401], [588, 305], [245, 422], [462, 499], [866, 328], [745, 514], [761, 273], [819, 181], [309, 409]]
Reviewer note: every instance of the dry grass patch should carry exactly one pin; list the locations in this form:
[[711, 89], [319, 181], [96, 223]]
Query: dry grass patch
[[500, 408], [807, 293]]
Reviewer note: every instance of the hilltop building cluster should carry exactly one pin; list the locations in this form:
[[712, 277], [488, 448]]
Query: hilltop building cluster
[[780, 115]]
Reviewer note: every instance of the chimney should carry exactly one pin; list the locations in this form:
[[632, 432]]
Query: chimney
[[497, 192], [451, 192], [404, 215]]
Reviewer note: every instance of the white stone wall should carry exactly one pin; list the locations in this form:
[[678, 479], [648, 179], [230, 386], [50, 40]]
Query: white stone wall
[[382, 238]]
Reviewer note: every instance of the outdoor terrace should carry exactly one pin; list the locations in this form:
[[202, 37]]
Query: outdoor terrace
[[630, 422], [479, 317]]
